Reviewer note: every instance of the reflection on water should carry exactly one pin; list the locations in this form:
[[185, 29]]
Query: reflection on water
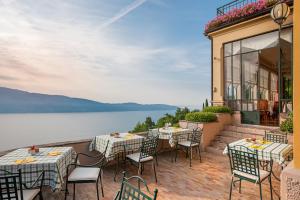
[[18, 130]]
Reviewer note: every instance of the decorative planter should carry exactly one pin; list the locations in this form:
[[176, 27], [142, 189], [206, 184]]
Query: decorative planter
[[210, 129]]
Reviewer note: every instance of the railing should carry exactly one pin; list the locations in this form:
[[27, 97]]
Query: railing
[[233, 5]]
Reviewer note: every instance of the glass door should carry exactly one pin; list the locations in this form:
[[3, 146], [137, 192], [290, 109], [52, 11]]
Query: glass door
[[250, 74]]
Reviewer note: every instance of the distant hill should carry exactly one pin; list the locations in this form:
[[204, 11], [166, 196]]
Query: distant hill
[[18, 101]]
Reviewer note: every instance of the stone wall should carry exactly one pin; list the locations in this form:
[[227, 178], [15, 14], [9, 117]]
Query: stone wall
[[290, 183]]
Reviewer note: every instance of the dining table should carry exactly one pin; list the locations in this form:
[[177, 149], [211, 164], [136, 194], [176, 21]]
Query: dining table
[[278, 152], [116, 144], [52, 160], [174, 134]]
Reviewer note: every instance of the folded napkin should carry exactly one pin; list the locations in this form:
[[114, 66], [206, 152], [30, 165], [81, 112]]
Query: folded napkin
[[128, 136], [258, 147], [25, 161], [54, 153]]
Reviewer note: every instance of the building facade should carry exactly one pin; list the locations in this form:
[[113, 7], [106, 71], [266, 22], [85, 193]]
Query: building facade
[[252, 62]]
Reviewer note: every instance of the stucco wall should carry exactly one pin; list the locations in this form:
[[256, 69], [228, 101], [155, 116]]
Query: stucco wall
[[247, 29]]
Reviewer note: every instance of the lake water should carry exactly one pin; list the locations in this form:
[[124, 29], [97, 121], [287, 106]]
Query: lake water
[[19, 130]]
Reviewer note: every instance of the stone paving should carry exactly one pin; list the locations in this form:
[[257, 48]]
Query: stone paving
[[209, 180]]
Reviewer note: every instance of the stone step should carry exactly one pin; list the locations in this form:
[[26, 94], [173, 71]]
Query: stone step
[[213, 150], [227, 139], [249, 129], [237, 135]]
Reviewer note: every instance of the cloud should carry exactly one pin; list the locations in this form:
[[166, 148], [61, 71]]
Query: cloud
[[123, 12], [7, 78], [58, 48]]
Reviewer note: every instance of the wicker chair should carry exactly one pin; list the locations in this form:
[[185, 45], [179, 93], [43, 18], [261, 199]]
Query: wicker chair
[[277, 137], [128, 191], [12, 187], [86, 173], [190, 144], [146, 154], [244, 165]]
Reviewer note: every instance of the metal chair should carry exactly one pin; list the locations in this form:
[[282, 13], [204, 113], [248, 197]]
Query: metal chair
[[86, 173], [146, 154], [278, 137], [154, 133], [12, 187], [190, 144], [244, 165], [128, 191]]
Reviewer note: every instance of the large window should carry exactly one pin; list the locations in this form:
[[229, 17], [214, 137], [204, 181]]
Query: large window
[[251, 71]]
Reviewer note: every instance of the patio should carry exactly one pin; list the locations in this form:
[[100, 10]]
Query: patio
[[207, 180]]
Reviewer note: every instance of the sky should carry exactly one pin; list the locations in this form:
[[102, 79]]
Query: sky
[[145, 51]]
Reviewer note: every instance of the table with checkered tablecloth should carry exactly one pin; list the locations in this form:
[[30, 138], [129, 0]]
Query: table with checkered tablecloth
[[174, 134], [267, 151], [116, 145], [54, 166]]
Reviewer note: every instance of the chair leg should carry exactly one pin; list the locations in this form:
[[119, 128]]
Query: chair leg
[[176, 153], [260, 191], [230, 188], [156, 159], [41, 195], [101, 184], [139, 174], [271, 188], [66, 190], [73, 191], [97, 189], [240, 188], [199, 154], [116, 169], [186, 152], [191, 156], [154, 170]]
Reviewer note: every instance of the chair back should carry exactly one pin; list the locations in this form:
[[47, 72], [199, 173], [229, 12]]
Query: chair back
[[153, 132], [191, 126], [148, 148], [196, 136], [276, 137], [9, 185], [131, 192], [243, 159]]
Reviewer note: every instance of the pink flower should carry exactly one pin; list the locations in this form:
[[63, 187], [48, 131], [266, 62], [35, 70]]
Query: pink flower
[[237, 13]]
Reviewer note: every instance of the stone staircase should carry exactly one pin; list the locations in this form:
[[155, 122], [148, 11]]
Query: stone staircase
[[233, 133]]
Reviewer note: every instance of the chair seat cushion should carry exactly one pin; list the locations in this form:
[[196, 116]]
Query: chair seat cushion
[[186, 144], [84, 174], [263, 175], [29, 194], [136, 157]]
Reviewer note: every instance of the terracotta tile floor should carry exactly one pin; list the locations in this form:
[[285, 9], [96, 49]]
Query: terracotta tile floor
[[209, 180]]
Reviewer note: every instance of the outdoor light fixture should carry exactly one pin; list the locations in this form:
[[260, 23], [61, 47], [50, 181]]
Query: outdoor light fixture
[[280, 12]]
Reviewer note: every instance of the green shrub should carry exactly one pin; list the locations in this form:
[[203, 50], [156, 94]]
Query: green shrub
[[217, 109], [201, 117], [140, 127], [287, 125], [166, 119]]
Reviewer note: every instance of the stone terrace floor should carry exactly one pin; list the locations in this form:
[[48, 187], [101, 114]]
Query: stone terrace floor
[[209, 180]]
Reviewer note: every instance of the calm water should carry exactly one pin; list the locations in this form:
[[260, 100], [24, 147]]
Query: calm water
[[18, 130]]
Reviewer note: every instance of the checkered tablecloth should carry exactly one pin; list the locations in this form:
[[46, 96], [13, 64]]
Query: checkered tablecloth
[[54, 166], [116, 145], [278, 152], [174, 135]]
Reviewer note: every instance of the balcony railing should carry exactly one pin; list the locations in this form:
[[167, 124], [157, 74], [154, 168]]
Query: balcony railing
[[233, 5]]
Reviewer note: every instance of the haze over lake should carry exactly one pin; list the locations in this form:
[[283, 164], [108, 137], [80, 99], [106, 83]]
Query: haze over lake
[[19, 130]]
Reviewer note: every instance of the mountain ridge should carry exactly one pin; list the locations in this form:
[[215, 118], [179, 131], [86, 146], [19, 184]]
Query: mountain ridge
[[19, 101]]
